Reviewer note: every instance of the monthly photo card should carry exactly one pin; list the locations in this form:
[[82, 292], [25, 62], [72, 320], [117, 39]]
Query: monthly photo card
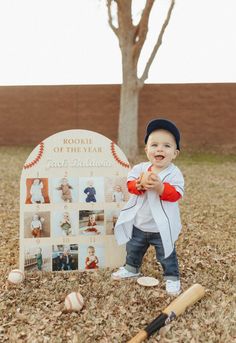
[[72, 189]]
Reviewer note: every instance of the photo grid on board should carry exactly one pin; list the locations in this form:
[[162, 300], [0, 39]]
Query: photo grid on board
[[68, 216]]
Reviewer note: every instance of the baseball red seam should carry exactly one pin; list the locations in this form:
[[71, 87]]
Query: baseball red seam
[[78, 299], [124, 164], [38, 157], [69, 303]]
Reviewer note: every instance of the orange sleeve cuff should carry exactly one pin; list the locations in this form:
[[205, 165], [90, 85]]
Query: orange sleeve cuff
[[170, 193], [132, 187]]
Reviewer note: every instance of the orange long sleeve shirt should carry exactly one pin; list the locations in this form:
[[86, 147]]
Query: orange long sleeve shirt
[[169, 193]]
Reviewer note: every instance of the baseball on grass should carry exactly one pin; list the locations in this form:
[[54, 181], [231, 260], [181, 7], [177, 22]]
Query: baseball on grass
[[74, 302], [16, 276]]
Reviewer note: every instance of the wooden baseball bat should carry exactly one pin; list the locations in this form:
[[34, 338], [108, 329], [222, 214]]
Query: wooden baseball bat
[[176, 307]]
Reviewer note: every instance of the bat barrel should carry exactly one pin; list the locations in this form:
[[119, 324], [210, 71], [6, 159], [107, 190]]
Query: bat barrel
[[177, 307], [187, 298]]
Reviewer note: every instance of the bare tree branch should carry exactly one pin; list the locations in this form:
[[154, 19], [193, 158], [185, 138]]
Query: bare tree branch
[[157, 46], [114, 29], [125, 15], [126, 27], [131, 39], [142, 29]]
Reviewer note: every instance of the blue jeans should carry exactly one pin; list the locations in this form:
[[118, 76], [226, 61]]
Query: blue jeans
[[137, 247]]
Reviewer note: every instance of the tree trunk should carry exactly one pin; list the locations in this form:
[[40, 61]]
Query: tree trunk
[[129, 100], [131, 40], [128, 118]]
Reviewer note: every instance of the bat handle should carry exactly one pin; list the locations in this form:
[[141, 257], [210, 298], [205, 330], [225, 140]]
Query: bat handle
[[140, 337]]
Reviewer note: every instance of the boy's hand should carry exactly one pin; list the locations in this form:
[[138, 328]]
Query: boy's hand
[[147, 180], [150, 180], [158, 186], [139, 185]]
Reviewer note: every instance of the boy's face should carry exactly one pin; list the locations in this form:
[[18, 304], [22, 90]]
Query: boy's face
[[161, 149], [92, 217], [64, 181], [91, 252], [118, 188]]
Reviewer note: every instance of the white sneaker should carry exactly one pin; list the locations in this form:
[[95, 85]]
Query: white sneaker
[[123, 273], [173, 287]]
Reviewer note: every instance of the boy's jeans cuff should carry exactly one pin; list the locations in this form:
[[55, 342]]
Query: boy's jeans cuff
[[131, 269], [172, 278]]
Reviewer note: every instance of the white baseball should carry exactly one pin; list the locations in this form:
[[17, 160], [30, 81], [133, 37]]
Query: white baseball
[[74, 301], [147, 176], [16, 276]]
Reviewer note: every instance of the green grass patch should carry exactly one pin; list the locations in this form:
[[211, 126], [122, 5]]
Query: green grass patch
[[189, 158], [199, 157], [212, 158]]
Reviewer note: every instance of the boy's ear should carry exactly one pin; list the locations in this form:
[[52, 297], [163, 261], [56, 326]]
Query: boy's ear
[[177, 152]]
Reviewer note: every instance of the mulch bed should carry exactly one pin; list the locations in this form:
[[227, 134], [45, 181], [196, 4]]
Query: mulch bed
[[115, 311]]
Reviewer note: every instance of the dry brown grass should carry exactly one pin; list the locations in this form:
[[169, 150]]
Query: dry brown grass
[[115, 311]]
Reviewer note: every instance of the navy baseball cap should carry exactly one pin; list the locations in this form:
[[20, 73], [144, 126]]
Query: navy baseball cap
[[165, 125]]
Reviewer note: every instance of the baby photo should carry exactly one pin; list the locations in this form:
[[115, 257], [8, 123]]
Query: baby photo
[[111, 218], [91, 257], [38, 258], [91, 189], [36, 224], [65, 223], [65, 257], [116, 190], [64, 190], [91, 222], [37, 191]]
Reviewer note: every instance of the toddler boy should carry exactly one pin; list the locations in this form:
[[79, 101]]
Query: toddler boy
[[151, 216]]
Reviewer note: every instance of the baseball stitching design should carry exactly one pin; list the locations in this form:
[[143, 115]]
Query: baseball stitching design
[[69, 303], [113, 151], [38, 157], [78, 299]]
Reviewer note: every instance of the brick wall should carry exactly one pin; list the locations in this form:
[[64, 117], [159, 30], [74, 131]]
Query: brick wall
[[205, 113]]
